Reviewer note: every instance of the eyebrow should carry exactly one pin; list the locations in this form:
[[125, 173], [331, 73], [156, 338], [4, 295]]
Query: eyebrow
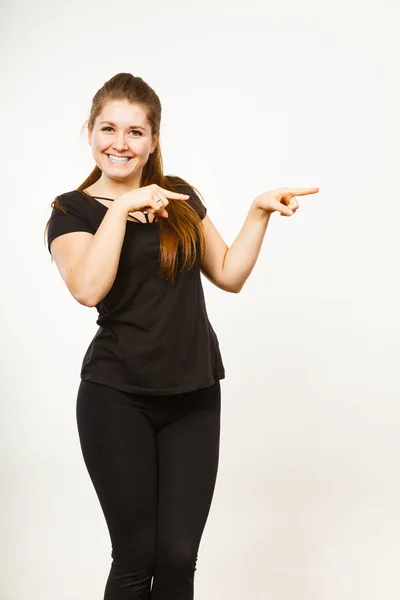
[[130, 127]]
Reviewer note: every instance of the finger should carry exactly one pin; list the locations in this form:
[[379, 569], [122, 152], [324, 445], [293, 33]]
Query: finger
[[154, 206], [282, 207], [293, 204], [284, 210], [164, 202], [170, 194], [300, 191]]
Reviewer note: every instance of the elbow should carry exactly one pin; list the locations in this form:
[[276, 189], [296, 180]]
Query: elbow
[[86, 298], [230, 285], [90, 303], [83, 298], [76, 291], [232, 289], [91, 300], [84, 301]]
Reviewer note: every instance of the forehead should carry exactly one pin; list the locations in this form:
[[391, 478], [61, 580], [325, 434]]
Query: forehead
[[124, 114]]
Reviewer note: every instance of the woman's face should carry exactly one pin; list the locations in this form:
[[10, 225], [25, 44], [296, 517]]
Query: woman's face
[[121, 130]]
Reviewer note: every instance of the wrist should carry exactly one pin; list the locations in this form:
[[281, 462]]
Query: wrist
[[123, 204], [258, 211]]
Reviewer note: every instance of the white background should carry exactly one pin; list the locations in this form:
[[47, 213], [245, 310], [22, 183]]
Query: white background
[[255, 96]]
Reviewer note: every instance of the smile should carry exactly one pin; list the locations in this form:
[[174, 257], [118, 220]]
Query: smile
[[118, 159]]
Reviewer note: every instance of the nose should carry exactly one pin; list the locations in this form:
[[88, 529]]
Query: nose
[[120, 142]]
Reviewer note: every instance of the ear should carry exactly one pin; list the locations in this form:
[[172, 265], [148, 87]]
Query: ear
[[154, 143], [89, 134]]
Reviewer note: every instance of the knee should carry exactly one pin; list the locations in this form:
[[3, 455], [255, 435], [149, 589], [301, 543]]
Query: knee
[[131, 572], [131, 558], [176, 558]]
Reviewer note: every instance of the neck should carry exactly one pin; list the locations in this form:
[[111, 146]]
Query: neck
[[112, 188]]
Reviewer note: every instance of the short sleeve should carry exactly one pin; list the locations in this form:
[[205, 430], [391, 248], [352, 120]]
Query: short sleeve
[[197, 204], [194, 199], [74, 219]]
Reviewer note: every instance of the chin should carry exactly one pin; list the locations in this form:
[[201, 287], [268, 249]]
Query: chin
[[116, 176]]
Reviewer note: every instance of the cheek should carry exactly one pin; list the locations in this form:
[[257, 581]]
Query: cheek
[[139, 147], [99, 142], [144, 147]]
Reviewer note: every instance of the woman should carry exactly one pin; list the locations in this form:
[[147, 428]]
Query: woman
[[132, 242]]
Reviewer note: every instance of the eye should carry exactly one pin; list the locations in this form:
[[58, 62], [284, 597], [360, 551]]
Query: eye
[[108, 127]]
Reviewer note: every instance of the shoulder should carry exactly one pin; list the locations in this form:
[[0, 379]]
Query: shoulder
[[180, 183], [69, 214], [70, 202], [195, 198]]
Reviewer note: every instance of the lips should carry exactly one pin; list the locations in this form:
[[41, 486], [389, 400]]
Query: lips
[[119, 156], [116, 159]]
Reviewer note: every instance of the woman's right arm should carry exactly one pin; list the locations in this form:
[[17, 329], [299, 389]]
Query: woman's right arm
[[88, 263]]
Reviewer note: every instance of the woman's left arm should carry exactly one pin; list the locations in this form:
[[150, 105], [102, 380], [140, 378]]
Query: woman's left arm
[[229, 267]]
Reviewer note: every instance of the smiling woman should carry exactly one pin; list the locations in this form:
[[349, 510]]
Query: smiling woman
[[115, 141], [149, 400], [123, 132], [148, 403]]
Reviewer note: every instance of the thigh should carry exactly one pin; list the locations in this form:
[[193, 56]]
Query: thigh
[[188, 455], [119, 449]]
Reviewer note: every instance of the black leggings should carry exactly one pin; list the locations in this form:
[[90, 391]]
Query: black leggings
[[153, 462]]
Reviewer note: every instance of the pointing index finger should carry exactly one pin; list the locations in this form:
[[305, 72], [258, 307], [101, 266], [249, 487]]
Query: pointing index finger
[[170, 194], [302, 191]]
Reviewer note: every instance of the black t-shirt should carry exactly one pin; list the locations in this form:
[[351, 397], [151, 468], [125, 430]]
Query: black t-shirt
[[153, 337]]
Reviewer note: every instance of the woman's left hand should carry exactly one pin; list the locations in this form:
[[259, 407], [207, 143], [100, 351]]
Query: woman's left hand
[[282, 200]]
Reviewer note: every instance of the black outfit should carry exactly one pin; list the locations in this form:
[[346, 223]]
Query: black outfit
[[148, 411], [153, 337], [153, 461]]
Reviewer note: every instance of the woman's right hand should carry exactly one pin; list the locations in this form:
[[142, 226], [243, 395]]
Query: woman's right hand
[[145, 198]]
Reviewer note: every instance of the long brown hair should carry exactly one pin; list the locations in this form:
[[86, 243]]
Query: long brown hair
[[183, 227]]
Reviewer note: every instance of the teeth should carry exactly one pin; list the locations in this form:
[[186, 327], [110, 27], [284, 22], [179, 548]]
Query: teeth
[[118, 158]]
